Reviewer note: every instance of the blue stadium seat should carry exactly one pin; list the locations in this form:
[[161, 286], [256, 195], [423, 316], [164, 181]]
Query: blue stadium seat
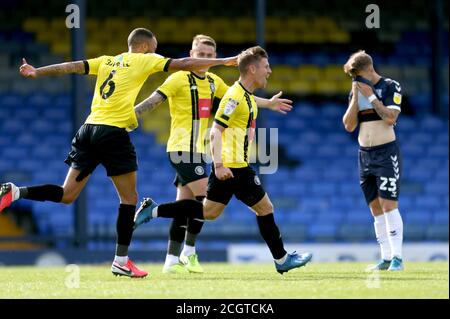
[[62, 101], [338, 139], [331, 216], [419, 175], [442, 138], [324, 188], [416, 216], [322, 232], [306, 110], [359, 216], [437, 232], [26, 114], [433, 124], [413, 150], [441, 217], [421, 138], [337, 175], [37, 100], [327, 151], [299, 149], [41, 126], [306, 175], [429, 203], [406, 124], [11, 100], [13, 127], [314, 204], [350, 188], [439, 151], [299, 217], [437, 188]]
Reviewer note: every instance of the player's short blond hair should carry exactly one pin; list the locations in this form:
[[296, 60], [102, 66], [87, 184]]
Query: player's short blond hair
[[250, 56], [358, 61], [204, 39]]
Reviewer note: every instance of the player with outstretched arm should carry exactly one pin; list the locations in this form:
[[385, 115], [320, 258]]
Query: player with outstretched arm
[[231, 138], [104, 138]]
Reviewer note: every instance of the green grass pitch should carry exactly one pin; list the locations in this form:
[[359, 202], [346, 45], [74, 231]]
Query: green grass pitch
[[316, 280]]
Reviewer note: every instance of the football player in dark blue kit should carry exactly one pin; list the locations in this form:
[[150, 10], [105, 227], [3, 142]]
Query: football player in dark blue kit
[[374, 104]]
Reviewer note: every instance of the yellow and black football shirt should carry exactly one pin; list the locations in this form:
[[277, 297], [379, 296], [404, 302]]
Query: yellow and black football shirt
[[237, 113], [190, 101], [119, 80]]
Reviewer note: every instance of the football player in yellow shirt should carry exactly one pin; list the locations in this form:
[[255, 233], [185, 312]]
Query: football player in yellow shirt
[[231, 137], [192, 96], [104, 139]]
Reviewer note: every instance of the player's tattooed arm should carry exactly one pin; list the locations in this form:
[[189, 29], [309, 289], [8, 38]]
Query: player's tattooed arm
[[350, 118], [30, 71], [387, 115], [194, 64], [149, 103]]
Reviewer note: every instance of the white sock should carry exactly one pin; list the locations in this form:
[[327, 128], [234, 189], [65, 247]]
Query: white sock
[[188, 250], [14, 192], [171, 260], [155, 212], [382, 237], [121, 260], [394, 225], [281, 260]]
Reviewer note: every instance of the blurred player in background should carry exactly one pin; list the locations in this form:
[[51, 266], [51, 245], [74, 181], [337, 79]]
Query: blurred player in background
[[193, 97], [104, 139], [375, 105], [231, 138]]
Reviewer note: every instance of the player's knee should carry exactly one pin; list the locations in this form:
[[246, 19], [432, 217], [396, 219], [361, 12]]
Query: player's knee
[[69, 198], [389, 206], [129, 199], [211, 214], [264, 209]]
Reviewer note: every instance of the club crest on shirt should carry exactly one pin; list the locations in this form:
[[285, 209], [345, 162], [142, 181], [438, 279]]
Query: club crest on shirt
[[199, 170], [230, 106], [397, 98]]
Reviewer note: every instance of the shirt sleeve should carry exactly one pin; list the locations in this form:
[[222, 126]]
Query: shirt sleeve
[[156, 63], [393, 98], [221, 87], [226, 111], [91, 65], [171, 85]]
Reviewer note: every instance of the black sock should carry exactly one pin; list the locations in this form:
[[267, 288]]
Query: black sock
[[121, 250], [194, 228], [176, 235], [271, 234], [53, 193], [124, 227], [185, 207]]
